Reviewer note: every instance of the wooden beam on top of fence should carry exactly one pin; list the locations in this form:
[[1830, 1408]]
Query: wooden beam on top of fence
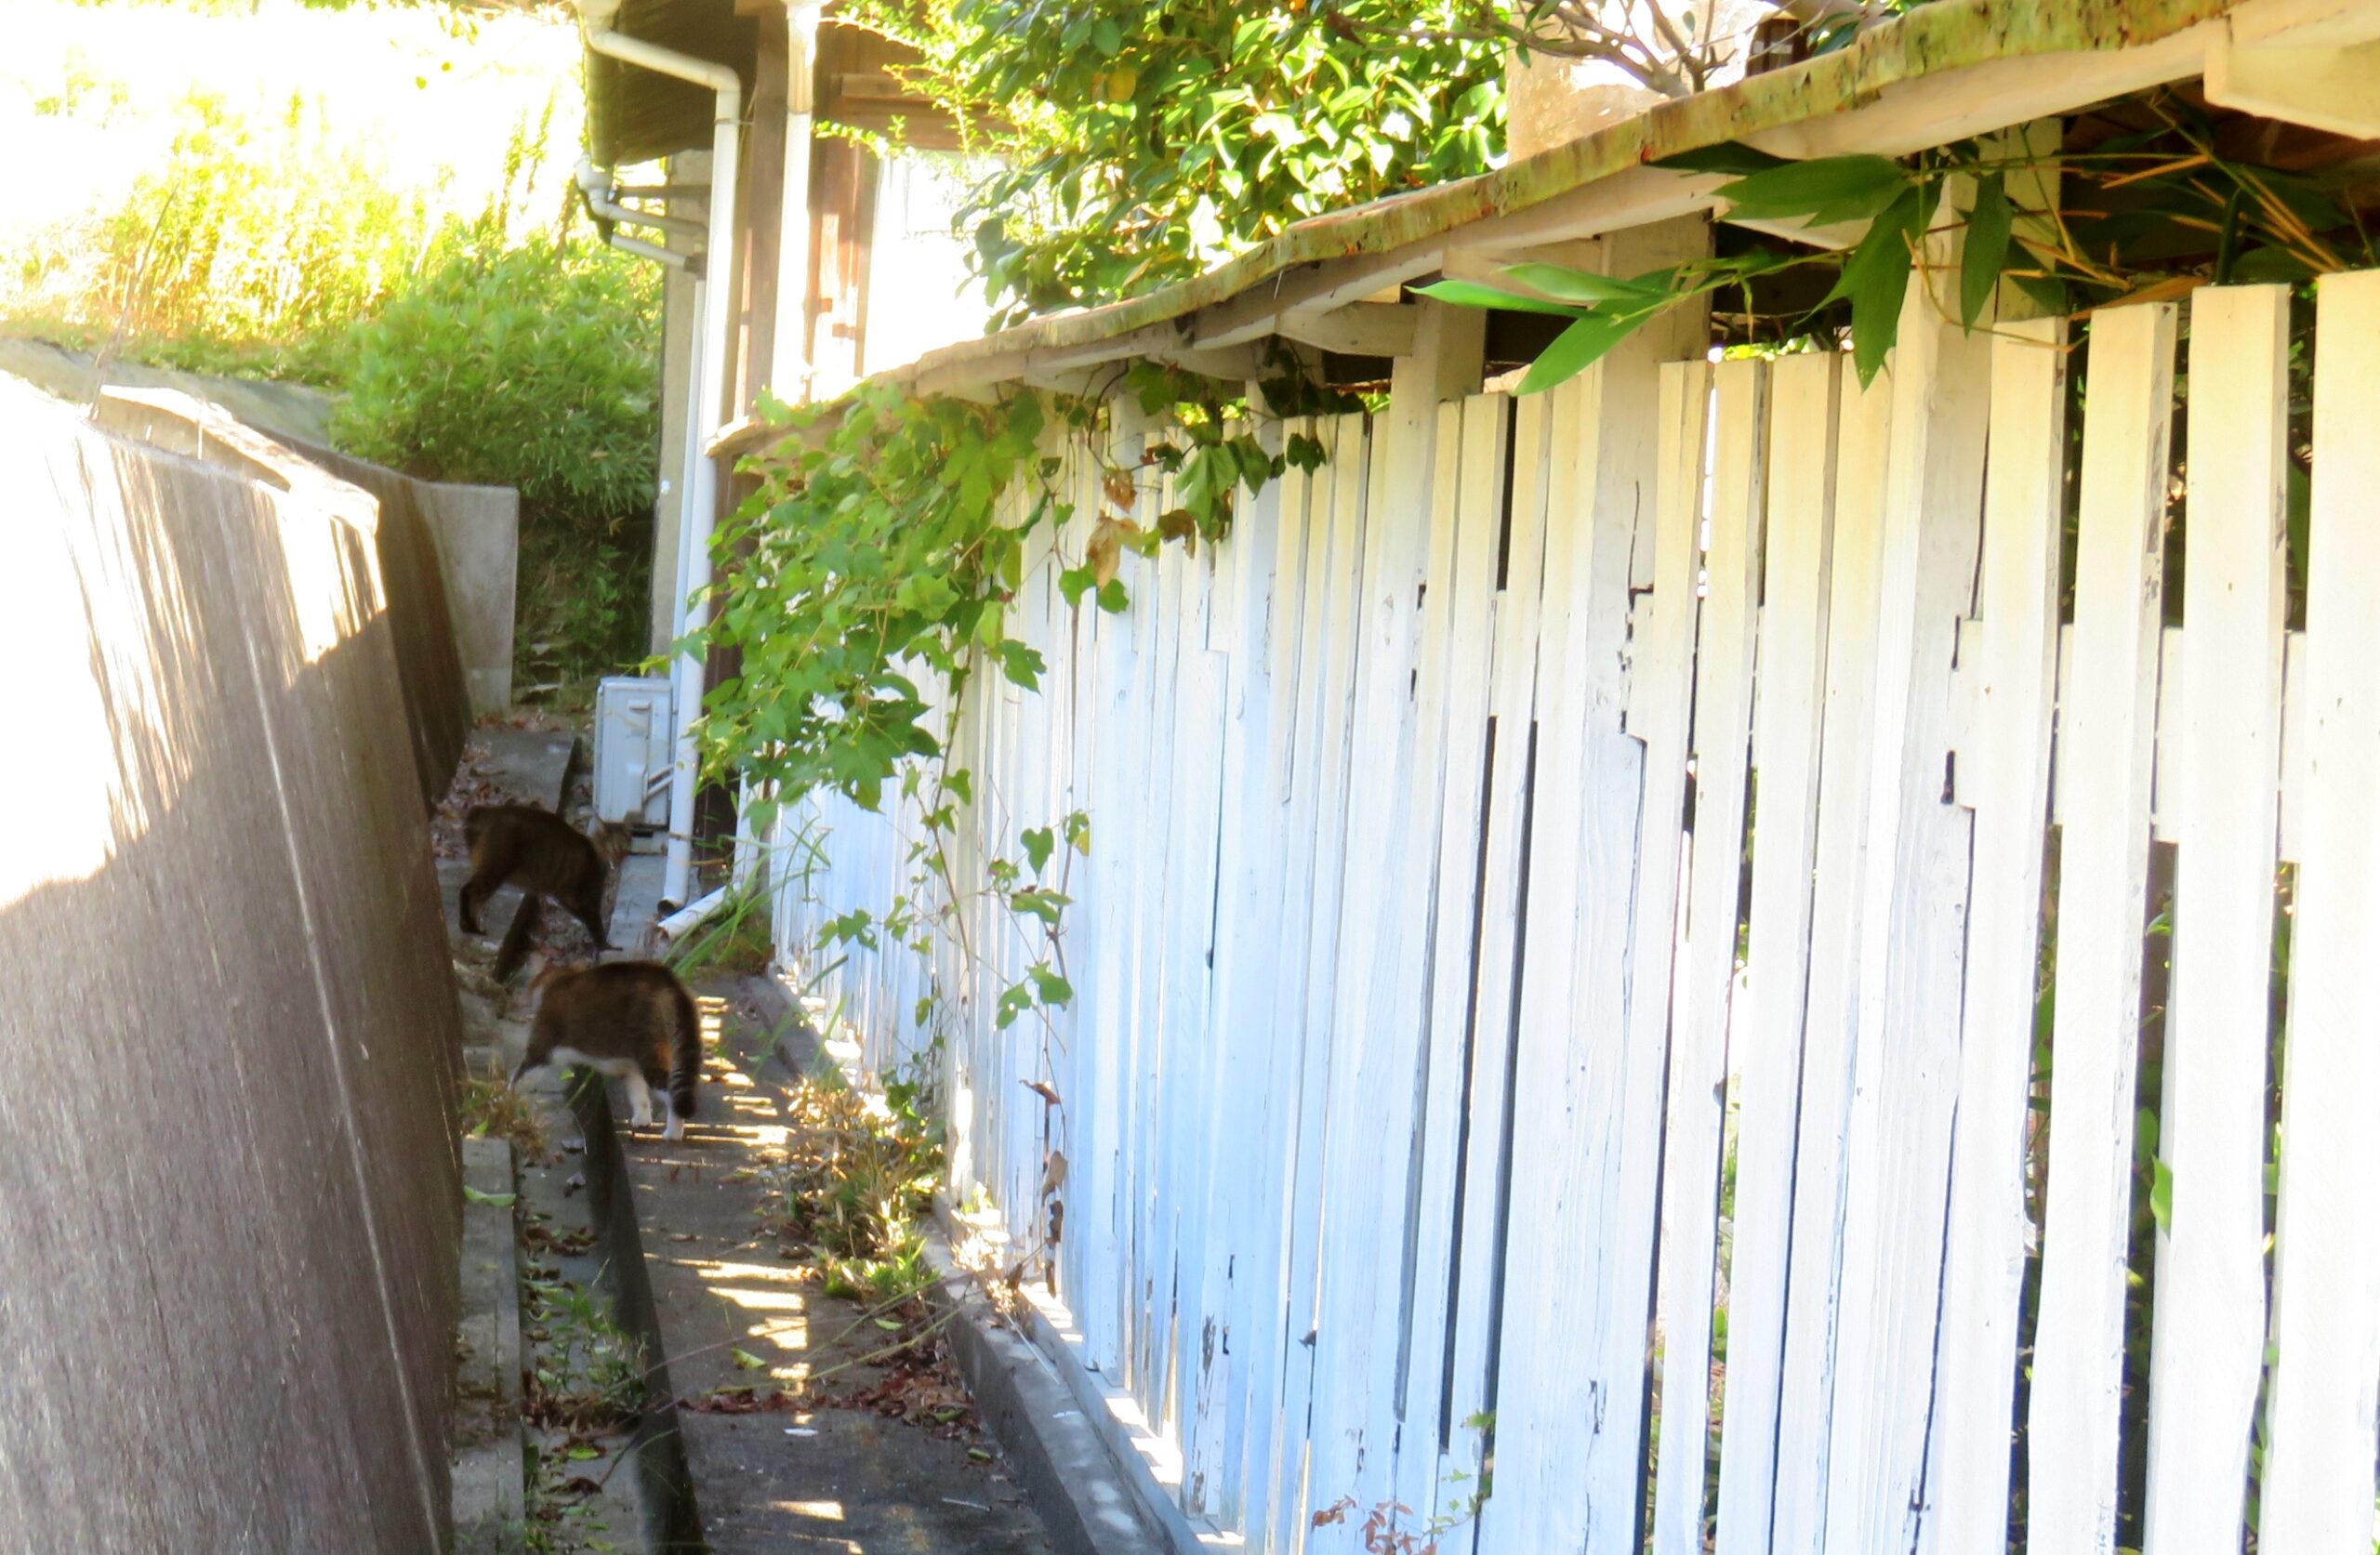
[[2207, 1354], [1804, 1406], [1723, 713], [2006, 783], [2107, 727], [1785, 750], [2318, 1487]]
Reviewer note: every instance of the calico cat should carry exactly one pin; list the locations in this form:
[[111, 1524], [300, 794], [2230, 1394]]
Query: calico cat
[[629, 1018], [546, 855]]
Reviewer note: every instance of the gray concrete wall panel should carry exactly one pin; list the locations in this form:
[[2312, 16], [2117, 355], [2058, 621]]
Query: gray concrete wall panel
[[229, 1186]]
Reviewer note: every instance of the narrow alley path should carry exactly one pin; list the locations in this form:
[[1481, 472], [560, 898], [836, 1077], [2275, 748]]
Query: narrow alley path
[[800, 1421]]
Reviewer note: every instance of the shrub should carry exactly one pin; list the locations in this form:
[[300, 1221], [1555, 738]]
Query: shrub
[[536, 368]]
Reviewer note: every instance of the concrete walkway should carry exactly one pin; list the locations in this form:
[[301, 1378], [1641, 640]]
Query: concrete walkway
[[903, 1470]]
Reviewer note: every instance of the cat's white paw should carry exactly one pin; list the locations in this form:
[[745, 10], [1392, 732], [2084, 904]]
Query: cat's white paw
[[676, 1129]]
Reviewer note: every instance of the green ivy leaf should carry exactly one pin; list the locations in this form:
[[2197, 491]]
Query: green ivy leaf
[[1038, 843], [1112, 598], [1055, 990], [1022, 665]]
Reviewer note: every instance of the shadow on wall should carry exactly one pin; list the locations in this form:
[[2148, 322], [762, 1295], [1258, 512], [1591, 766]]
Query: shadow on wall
[[229, 1193]]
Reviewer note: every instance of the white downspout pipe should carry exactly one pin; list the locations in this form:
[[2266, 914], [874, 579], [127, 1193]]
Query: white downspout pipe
[[700, 501]]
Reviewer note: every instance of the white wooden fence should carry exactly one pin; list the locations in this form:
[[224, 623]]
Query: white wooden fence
[[1413, 1032]]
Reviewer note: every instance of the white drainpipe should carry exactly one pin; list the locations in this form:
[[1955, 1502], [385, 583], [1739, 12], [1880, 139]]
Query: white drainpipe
[[700, 500]]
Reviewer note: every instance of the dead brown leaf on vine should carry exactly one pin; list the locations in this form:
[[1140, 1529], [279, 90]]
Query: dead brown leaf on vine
[[1177, 524], [1102, 552]]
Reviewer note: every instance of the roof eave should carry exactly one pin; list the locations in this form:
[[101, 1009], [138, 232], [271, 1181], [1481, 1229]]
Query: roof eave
[[1984, 65]]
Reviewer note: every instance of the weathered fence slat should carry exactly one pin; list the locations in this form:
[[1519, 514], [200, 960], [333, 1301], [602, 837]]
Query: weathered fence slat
[[1785, 752], [1806, 1380], [1723, 669], [2002, 775], [1337, 775], [2208, 1341], [2318, 1486], [1483, 650], [1303, 599], [1441, 577], [2105, 732], [1252, 854], [1908, 969]]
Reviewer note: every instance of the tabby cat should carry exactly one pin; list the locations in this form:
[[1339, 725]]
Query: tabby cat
[[629, 1018], [547, 856]]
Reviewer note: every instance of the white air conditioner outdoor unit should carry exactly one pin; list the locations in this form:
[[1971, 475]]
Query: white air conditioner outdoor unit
[[632, 751]]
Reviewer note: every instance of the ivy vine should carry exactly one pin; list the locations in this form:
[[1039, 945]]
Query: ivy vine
[[865, 584]]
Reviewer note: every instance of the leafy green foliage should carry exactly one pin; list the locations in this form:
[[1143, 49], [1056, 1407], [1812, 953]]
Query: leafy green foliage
[[1138, 143], [855, 1185], [882, 549], [534, 368], [860, 564], [250, 180], [735, 938], [2151, 210], [589, 1372]]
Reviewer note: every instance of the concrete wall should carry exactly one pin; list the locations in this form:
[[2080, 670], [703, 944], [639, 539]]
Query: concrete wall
[[471, 531], [450, 555], [477, 531], [228, 1195]]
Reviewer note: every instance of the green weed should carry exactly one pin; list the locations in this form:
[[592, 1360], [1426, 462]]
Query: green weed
[[589, 1373], [735, 938], [857, 1180]]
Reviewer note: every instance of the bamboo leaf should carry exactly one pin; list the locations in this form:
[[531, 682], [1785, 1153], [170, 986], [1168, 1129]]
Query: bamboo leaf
[[1986, 248], [1876, 279], [1584, 287], [1842, 188], [1579, 348], [1471, 293], [1729, 156]]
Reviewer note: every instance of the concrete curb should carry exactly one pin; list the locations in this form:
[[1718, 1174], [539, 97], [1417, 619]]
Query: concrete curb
[[1070, 1450], [665, 1485], [489, 1494]]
